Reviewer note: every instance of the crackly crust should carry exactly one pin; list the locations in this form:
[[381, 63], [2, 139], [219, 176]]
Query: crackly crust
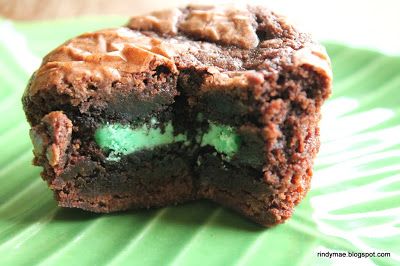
[[108, 56]]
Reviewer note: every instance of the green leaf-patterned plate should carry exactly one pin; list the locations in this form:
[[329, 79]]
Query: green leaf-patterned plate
[[354, 204]]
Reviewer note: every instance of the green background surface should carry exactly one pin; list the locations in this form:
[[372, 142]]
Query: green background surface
[[354, 204]]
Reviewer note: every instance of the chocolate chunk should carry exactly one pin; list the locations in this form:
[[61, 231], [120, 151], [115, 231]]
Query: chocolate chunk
[[51, 139]]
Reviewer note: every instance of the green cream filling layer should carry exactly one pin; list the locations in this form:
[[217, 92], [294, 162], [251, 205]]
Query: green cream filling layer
[[122, 139], [223, 138]]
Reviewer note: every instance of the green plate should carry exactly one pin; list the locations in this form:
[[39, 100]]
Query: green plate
[[354, 204]]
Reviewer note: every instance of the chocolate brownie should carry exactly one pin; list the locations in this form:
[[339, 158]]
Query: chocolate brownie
[[203, 102]]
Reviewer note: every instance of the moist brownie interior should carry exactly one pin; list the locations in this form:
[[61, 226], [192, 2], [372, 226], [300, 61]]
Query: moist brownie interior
[[200, 102]]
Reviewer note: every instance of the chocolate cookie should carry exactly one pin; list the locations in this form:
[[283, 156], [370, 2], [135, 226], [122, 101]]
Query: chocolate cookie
[[219, 103]]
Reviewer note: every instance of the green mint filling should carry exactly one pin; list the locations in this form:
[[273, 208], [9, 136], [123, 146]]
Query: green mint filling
[[123, 140], [223, 138]]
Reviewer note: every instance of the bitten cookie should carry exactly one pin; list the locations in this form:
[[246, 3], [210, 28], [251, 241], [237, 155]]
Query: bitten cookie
[[203, 102]]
